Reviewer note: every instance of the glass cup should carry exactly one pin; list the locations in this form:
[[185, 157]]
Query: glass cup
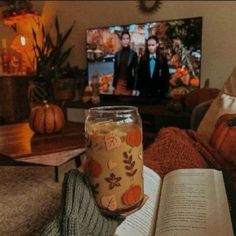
[[114, 151]]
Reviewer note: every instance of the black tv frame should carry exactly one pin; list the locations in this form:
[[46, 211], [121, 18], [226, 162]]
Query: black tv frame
[[138, 99]]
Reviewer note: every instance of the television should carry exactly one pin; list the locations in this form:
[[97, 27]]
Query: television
[[179, 42]]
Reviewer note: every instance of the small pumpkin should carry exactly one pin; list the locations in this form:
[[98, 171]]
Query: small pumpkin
[[194, 81], [134, 137], [224, 136], [132, 195], [46, 119]]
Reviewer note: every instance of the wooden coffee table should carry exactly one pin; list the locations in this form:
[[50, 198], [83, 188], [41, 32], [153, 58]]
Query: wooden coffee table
[[20, 146]]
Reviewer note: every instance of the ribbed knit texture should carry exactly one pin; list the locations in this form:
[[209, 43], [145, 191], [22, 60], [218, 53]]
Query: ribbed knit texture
[[79, 214]]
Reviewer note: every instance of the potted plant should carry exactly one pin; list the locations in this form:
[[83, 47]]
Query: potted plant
[[64, 86], [51, 58]]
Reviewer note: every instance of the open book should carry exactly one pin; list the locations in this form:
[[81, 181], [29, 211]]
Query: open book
[[189, 202]]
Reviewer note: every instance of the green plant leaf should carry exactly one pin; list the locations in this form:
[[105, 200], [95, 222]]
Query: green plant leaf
[[65, 56], [51, 57], [57, 27], [65, 36]]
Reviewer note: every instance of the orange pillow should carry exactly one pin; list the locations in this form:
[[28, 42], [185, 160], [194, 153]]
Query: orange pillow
[[224, 103], [224, 136]]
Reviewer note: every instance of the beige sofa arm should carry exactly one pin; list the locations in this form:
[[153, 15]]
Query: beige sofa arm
[[198, 113]]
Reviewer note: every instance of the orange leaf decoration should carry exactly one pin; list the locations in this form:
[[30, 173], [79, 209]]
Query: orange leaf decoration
[[134, 137], [132, 195], [112, 141], [109, 202], [94, 168]]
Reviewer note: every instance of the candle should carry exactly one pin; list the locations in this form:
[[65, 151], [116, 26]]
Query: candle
[[4, 43]]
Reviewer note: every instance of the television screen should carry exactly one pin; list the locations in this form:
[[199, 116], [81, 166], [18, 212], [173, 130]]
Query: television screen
[[179, 44]]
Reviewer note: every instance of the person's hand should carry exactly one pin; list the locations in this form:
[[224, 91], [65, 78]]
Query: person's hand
[[79, 213]]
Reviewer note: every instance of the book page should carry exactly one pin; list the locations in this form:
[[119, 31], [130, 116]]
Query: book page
[[193, 202], [142, 222]]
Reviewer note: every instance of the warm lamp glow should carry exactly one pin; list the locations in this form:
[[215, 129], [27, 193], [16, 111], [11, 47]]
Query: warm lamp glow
[[23, 40], [22, 45]]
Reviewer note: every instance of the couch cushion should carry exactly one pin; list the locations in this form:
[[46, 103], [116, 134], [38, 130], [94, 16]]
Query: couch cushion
[[224, 136], [224, 103], [230, 85]]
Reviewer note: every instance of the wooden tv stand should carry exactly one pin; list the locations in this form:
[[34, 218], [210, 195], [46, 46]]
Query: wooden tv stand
[[154, 117]]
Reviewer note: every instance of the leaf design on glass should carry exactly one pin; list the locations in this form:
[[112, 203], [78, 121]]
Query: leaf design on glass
[[113, 180], [129, 164], [112, 141], [109, 202]]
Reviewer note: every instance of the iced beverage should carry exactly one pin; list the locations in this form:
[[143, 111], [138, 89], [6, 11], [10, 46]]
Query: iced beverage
[[114, 152]]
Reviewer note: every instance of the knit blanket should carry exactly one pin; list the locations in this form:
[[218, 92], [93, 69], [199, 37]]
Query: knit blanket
[[78, 213], [176, 148]]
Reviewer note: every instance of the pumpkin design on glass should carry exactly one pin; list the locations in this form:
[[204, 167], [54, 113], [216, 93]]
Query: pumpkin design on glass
[[134, 137], [132, 195], [94, 168]]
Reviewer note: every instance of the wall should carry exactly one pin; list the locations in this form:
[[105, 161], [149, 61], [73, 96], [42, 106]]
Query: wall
[[219, 29]]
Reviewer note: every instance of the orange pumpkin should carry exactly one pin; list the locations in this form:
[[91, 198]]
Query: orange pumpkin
[[134, 137], [94, 168], [132, 195], [46, 119], [195, 82], [224, 136]]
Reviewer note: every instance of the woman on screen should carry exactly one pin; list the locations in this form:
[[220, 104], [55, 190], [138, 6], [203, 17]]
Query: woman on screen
[[153, 71], [125, 67]]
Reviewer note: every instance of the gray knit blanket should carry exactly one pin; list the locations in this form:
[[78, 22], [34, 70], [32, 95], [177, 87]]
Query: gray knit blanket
[[78, 214]]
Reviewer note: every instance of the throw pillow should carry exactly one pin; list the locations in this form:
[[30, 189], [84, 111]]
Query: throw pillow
[[223, 104], [230, 85], [224, 136], [223, 140]]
